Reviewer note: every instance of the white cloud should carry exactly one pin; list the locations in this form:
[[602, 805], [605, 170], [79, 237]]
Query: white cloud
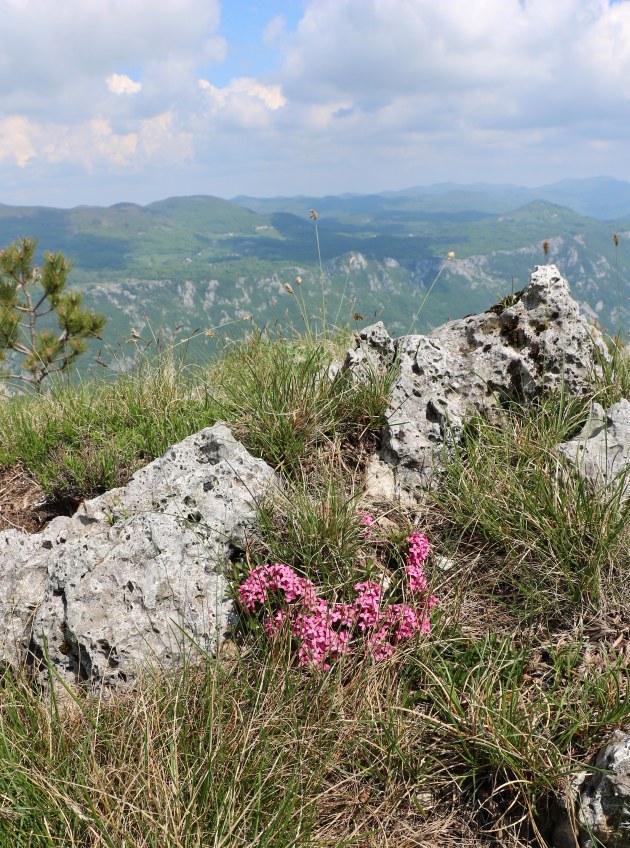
[[104, 144], [244, 103], [95, 143], [55, 59], [274, 31], [52, 50], [245, 87], [122, 84], [514, 63], [364, 94], [161, 140], [17, 140]]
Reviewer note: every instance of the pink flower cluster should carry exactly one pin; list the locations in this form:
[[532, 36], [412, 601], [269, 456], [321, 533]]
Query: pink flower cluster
[[366, 519], [418, 553], [326, 631], [274, 578]]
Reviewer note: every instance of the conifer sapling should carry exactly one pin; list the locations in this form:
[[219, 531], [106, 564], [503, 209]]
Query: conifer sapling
[[27, 295]]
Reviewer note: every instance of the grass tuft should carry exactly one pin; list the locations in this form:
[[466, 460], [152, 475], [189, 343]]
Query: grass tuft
[[562, 543], [79, 441]]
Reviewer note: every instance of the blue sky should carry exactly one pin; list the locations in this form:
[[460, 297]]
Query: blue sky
[[104, 101]]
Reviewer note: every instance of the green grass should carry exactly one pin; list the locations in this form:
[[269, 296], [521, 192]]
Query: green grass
[[463, 738], [509, 718], [79, 441], [562, 546], [313, 526]]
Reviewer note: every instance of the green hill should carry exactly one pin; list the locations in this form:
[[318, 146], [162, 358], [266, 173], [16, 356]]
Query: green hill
[[201, 262]]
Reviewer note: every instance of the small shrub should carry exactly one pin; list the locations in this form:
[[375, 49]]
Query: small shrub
[[27, 295]]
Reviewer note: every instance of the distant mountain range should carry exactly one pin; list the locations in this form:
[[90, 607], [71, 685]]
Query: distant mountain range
[[602, 198], [202, 262]]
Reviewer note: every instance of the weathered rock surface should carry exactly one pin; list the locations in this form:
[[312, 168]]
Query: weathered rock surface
[[512, 352], [601, 801], [116, 584], [604, 805], [601, 452], [374, 352], [23, 576]]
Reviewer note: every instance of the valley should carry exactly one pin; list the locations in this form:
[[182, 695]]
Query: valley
[[213, 266]]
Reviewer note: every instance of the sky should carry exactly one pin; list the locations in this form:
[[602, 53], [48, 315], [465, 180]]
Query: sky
[[106, 101]]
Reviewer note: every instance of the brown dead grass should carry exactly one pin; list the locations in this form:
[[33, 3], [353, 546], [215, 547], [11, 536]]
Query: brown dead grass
[[23, 503]]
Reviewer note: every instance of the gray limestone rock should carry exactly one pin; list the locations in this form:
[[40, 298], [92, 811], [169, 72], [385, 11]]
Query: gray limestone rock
[[380, 482], [124, 595], [120, 582], [23, 577], [604, 803], [599, 801], [374, 351], [601, 452], [533, 341]]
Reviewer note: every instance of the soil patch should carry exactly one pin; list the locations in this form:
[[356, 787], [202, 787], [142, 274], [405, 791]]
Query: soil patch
[[23, 503]]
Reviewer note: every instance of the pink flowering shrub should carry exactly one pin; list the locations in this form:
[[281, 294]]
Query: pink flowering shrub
[[326, 631]]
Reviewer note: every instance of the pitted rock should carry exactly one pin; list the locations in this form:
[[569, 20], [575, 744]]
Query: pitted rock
[[121, 581], [604, 804], [601, 452], [23, 577], [128, 595], [533, 342], [373, 352], [600, 798]]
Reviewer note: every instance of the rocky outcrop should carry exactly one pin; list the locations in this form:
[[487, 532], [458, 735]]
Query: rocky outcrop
[[136, 574], [531, 342], [374, 352], [134, 570], [601, 452], [600, 802]]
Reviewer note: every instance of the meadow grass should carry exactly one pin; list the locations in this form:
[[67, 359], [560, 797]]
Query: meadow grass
[[463, 738], [506, 485], [80, 440]]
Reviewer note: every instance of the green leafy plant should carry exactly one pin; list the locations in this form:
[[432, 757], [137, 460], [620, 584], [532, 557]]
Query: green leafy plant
[[28, 295]]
